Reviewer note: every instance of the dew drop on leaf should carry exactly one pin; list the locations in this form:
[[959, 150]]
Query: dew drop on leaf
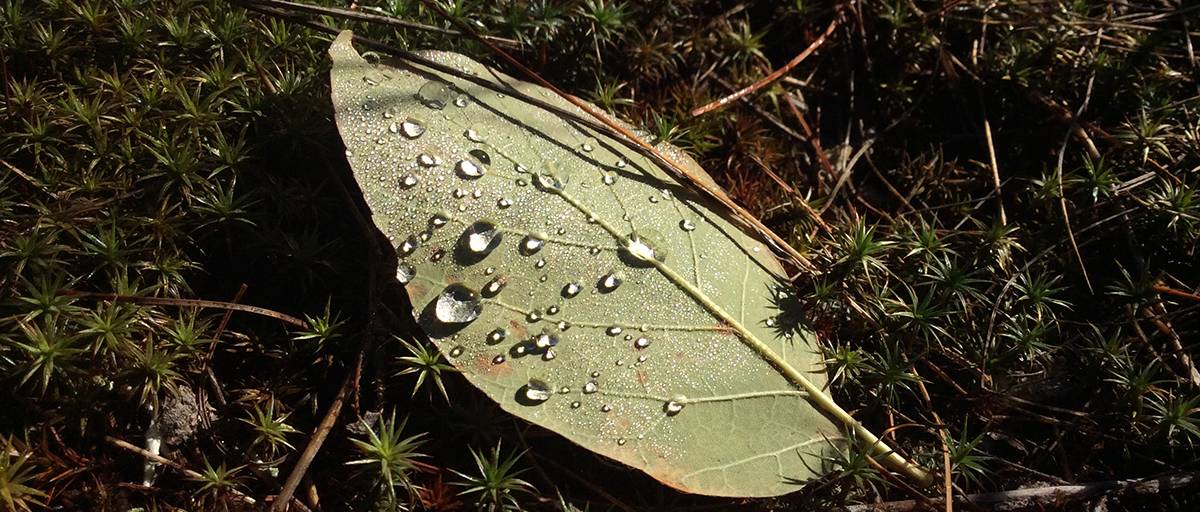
[[609, 282], [427, 160], [468, 169], [481, 155], [405, 273], [457, 304], [537, 391], [641, 343], [675, 405], [409, 245], [532, 244], [497, 335], [456, 351], [687, 225], [408, 181], [590, 387], [549, 183], [644, 246], [439, 219], [412, 129], [493, 287], [498, 359], [605, 408], [613, 331], [549, 355], [434, 94], [545, 340], [481, 237], [472, 134], [571, 290]]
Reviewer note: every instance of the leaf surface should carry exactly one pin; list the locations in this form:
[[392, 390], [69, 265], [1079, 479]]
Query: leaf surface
[[577, 283]]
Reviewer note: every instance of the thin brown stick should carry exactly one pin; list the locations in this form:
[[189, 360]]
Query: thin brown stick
[[991, 147], [212, 347], [1062, 204], [367, 17], [1176, 293], [774, 75], [943, 435], [314, 443], [1193, 375], [1039, 498], [796, 197], [812, 138], [195, 303], [125, 445]]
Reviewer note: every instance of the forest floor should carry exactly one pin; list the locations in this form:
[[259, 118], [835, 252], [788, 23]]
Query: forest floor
[[1002, 197]]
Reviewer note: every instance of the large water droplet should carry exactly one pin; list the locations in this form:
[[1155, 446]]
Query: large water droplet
[[549, 182], [503, 203], [493, 287], [412, 128], [409, 245], [675, 405], [461, 101], [408, 181], [481, 155], [457, 304], [545, 340], [439, 219], [614, 330], [427, 160], [608, 179], [434, 94], [481, 237], [456, 351], [590, 387], [472, 134], [571, 290], [549, 355], [497, 335], [498, 359], [687, 225], [537, 391], [644, 246], [609, 282], [405, 273], [532, 243], [641, 343], [468, 169], [605, 408]]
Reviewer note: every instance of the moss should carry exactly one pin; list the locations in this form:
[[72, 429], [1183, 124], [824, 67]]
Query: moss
[[185, 150]]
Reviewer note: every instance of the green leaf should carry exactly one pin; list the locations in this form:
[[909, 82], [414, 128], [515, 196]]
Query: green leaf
[[579, 285]]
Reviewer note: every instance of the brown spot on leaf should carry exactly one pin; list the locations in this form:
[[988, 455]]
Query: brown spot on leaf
[[481, 365], [517, 328]]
